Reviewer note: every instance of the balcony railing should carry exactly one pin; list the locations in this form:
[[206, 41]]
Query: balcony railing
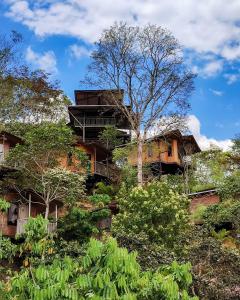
[[94, 121], [21, 223], [105, 170]]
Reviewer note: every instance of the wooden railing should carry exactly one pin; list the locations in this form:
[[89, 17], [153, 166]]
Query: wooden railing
[[105, 170], [94, 121], [21, 223]]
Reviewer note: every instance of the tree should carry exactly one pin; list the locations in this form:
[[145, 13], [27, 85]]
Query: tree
[[38, 162], [31, 97], [147, 64], [26, 96]]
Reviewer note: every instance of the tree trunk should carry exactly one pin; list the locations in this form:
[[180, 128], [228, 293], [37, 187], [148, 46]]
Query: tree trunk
[[140, 162], [47, 211]]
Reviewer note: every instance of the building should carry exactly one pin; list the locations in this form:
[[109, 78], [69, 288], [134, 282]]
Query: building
[[92, 112], [166, 154]]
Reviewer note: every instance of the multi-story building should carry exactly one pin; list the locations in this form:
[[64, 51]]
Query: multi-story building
[[166, 154]]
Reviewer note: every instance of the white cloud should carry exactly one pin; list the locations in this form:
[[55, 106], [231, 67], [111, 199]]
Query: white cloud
[[78, 51], [231, 53], [212, 68], [231, 78], [46, 61], [203, 141], [216, 92], [204, 26]]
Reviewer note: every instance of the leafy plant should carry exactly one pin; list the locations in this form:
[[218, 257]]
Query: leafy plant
[[80, 224], [104, 272], [7, 248], [220, 235], [4, 205], [100, 199]]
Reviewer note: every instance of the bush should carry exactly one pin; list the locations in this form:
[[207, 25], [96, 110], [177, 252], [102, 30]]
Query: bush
[[100, 199], [104, 272], [80, 224], [7, 248], [153, 214], [227, 212], [230, 187]]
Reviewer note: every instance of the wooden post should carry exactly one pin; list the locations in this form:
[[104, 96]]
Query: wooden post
[[29, 205], [56, 213]]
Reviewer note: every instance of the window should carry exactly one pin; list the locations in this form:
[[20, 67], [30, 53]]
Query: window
[[169, 150], [150, 150], [1, 153]]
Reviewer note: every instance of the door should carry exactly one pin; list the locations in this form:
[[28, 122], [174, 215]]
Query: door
[[23, 211]]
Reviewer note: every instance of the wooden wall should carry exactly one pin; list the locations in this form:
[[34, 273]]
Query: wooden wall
[[156, 151]]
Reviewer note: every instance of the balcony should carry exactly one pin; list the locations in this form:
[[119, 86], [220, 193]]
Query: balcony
[[51, 227], [94, 121], [105, 170]]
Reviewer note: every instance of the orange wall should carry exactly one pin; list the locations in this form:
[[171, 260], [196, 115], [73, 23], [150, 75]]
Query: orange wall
[[87, 150], [159, 153]]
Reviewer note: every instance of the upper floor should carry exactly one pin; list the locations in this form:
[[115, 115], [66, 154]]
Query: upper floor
[[94, 110], [166, 153]]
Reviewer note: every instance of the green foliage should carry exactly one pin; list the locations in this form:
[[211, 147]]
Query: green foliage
[[38, 162], [35, 229], [198, 213], [110, 137], [153, 213], [230, 186], [221, 235], [209, 168], [102, 188], [44, 144], [80, 224], [104, 272], [100, 199], [7, 248], [37, 243], [224, 212], [4, 205]]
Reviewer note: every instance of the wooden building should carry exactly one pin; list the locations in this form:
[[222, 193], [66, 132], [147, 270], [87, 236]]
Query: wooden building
[[166, 154], [92, 112]]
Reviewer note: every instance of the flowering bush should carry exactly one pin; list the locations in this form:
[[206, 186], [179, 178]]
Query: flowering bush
[[153, 213]]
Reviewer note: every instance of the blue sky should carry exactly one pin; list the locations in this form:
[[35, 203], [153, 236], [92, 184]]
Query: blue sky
[[59, 36]]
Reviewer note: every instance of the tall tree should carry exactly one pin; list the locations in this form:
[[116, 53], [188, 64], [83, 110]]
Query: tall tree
[[147, 63], [40, 168], [26, 96]]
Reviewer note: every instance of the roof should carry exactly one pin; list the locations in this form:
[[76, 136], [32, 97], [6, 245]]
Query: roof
[[11, 137], [95, 95], [203, 192]]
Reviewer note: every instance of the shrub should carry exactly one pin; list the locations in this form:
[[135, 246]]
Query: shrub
[[153, 214], [4, 205], [104, 272], [222, 213], [7, 248], [80, 224]]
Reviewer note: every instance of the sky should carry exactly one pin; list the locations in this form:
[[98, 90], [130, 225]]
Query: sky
[[59, 36]]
